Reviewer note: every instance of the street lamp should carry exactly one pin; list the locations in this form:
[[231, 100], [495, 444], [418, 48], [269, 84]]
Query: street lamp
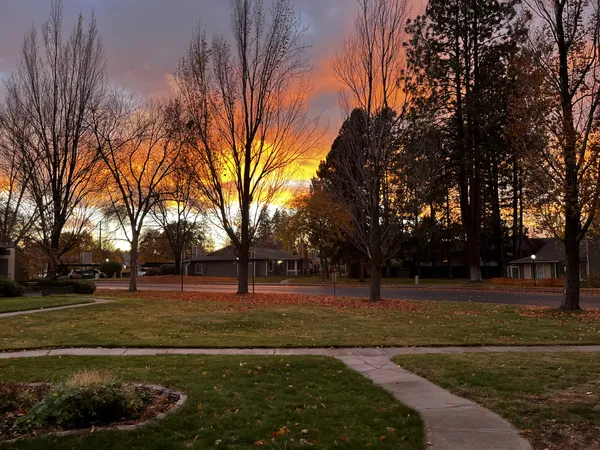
[[533, 268]]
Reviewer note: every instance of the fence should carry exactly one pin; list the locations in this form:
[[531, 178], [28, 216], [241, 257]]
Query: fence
[[528, 282]]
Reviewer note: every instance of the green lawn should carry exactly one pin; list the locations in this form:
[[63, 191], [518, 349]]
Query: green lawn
[[29, 303], [161, 319], [554, 399], [242, 403]]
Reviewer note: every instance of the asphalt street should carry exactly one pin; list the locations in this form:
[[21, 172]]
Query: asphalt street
[[402, 293]]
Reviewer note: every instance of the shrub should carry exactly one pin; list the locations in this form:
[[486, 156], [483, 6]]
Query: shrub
[[80, 286], [111, 268], [167, 269], [593, 280], [87, 398], [152, 272], [10, 288]]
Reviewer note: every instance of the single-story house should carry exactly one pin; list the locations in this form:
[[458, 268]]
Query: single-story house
[[264, 262], [550, 260]]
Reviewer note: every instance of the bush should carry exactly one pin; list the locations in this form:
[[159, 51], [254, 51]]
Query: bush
[[593, 280], [152, 272], [10, 288], [87, 398], [111, 268], [80, 287], [167, 269]]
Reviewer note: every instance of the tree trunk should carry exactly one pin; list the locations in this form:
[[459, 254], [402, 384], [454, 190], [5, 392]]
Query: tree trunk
[[243, 262], [571, 180], [571, 291], [133, 271], [515, 206], [361, 270], [178, 262], [497, 216], [448, 224], [376, 258]]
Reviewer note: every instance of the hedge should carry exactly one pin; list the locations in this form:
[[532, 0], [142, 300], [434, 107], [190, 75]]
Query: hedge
[[80, 287]]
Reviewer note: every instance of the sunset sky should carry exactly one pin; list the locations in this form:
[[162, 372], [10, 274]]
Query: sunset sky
[[144, 40]]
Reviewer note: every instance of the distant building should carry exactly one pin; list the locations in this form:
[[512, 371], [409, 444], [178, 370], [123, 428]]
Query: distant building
[[550, 260], [7, 262], [265, 262]]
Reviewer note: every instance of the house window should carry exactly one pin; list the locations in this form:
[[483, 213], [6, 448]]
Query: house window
[[291, 265], [199, 269], [543, 271], [271, 265]]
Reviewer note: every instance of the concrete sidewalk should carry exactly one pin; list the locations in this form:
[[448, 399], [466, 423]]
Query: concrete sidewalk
[[96, 301], [452, 422]]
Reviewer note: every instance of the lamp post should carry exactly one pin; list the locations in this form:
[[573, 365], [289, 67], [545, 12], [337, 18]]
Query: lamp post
[[533, 269]]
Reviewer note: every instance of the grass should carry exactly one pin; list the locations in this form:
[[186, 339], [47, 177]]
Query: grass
[[552, 398], [172, 319], [29, 303], [241, 403]]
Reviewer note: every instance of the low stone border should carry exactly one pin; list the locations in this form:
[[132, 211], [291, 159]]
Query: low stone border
[[160, 416]]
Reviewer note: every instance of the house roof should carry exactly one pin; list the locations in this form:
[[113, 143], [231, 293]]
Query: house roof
[[549, 251], [229, 254]]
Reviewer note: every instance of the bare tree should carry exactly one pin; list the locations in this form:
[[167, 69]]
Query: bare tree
[[566, 47], [139, 148], [178, 212], [244, 105], [47, 104], [18, 213], [370, 66]]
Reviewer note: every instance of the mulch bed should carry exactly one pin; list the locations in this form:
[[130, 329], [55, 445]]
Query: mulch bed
[[17, 398]]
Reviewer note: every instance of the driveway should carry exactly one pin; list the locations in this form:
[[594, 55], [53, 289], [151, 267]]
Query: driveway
[[401, 293]]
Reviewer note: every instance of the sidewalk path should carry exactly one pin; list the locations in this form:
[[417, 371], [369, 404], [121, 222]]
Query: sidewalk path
[[452, 422], [96, 301]]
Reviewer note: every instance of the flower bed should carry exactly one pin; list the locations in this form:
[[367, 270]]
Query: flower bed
[[34, 409]]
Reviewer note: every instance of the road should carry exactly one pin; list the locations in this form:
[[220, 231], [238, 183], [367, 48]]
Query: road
[[403, 293]]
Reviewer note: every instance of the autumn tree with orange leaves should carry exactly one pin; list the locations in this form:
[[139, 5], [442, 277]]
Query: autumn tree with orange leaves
[[320, 221]]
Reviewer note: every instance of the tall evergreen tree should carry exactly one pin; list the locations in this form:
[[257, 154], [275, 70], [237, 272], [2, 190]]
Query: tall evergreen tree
[[455, 53]]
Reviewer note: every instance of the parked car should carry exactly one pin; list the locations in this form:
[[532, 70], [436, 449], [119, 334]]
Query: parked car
[[88, 274], [75, 275]]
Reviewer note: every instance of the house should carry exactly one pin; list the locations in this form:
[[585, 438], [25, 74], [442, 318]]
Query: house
[[549, 260], [264, 262], [7, 262]]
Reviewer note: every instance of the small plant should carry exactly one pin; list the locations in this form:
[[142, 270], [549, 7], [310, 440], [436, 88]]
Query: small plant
[[84, 378], [87, 398], [10, 288]]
